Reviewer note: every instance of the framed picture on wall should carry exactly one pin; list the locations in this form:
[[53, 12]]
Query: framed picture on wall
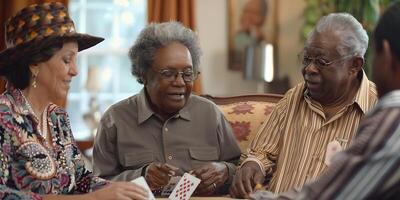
[[251, 23]]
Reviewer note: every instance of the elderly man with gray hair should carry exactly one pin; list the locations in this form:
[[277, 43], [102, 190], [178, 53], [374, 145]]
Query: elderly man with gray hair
[[316, 118], [165, 130]]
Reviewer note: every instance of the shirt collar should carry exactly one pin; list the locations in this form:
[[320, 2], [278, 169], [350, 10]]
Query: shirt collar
[[145, 111], [361, 98], [363, 94], [19, 103], [184, 113]]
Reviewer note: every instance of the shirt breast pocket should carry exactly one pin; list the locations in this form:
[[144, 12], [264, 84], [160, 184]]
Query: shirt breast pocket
[[202, 155], [138, 159]]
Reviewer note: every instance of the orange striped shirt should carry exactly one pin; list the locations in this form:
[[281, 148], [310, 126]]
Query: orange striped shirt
[[291, 145]]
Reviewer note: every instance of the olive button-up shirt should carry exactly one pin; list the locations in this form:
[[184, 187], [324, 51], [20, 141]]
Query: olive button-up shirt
[[131, 137]]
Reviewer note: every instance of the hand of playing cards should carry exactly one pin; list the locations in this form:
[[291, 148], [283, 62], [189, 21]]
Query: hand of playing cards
[[185, 187]]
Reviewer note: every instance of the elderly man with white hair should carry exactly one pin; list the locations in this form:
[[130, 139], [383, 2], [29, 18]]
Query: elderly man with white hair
[[316, 118]]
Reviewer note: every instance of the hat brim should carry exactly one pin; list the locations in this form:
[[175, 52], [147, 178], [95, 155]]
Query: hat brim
[[9, 55], [86, 41]]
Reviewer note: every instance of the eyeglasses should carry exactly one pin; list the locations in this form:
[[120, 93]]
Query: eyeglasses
[[170, 74], [319, 62]]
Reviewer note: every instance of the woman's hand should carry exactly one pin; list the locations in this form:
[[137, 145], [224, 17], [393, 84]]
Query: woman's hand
[[213, 176], [120, 191]]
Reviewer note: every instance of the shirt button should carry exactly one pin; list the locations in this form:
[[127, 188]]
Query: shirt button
[[166, 129], [169, 157]]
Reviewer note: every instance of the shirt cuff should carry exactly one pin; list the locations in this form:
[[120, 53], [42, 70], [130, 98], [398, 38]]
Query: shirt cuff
[[144, 171], [249, 159], [231, 171]]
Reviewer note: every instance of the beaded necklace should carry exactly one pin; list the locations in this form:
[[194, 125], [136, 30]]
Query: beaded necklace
[[43, 122]]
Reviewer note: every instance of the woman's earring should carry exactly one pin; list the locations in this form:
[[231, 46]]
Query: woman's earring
[[34, 76]]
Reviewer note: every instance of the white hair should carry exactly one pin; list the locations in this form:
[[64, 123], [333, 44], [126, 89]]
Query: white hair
[[354, 39], [158, 35]]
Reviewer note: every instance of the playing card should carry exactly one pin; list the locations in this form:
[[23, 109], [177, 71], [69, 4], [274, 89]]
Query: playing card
[[142, 182], [331, 150], [185, 187], [170, 186]]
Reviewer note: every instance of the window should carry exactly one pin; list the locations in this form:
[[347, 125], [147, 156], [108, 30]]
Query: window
[[104, 70]]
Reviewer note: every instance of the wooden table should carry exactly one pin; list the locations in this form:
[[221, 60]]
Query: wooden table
[[203, 198], [83, 145]]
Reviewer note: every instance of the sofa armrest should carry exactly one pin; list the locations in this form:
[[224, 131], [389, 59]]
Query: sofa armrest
[[246, 113]]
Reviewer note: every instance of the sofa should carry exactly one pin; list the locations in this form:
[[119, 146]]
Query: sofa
[[246, 113]]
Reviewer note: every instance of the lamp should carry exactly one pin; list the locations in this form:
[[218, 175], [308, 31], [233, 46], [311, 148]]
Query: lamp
[[93, 86], [259, 64]]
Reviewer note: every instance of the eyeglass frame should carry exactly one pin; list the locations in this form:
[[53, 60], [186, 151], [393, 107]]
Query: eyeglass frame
[[325, 65], [175, 74]]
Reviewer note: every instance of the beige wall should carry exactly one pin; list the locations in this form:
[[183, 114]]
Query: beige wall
[[212, 24]]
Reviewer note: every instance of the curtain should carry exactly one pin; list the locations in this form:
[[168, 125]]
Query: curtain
[[7, 9], [178, 10]]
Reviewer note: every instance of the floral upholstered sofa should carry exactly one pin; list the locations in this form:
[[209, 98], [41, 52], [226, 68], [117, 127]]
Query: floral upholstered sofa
[[246, 113]]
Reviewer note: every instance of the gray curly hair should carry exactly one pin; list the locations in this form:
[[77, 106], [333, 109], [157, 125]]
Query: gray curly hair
[[158, 35], [354, 38]]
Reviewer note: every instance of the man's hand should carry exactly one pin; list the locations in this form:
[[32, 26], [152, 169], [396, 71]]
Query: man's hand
[[246, 178], [213, 176], [158, 175]]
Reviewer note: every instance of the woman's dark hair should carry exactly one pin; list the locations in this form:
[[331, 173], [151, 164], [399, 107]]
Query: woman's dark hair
[[18, 73], [389, 28]]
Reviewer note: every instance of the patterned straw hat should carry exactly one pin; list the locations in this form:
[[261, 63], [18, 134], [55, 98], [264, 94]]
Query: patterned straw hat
[[37, 25]]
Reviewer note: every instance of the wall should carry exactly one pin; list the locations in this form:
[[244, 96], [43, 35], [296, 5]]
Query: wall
[[212, 25]]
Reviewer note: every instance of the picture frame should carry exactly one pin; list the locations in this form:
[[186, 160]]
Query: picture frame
[[245, 27]]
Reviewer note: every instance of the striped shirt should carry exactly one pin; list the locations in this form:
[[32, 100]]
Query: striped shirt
[[369, 168], [291, 145]]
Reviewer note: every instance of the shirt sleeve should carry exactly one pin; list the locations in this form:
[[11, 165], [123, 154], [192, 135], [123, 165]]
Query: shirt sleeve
[[105, 155], [264, 148], [86, 181], [6, 158], [7, 192]]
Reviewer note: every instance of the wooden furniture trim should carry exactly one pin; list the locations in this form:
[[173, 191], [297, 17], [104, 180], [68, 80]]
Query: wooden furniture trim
[[84, 145], [223, 100]]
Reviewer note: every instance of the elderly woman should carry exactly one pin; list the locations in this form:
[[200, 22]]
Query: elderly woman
[[39, 158], [165, 130]]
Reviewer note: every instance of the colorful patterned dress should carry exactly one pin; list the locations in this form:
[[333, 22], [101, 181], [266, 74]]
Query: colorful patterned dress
[[29, 165]]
